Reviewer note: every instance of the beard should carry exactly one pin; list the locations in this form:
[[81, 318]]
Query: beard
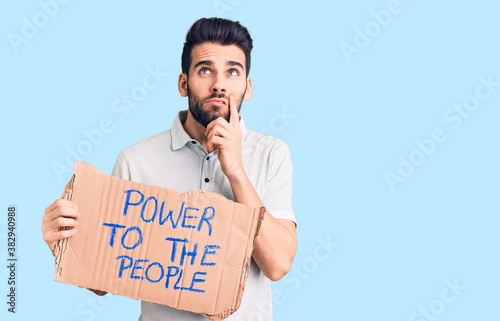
[[206, 115]]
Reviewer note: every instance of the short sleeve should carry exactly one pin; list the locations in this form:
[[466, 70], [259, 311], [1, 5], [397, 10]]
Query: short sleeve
[[278, 193], [121, 169]]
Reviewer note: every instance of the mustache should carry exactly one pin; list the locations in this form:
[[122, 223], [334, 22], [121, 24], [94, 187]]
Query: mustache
[[214, 96], [217, 95]]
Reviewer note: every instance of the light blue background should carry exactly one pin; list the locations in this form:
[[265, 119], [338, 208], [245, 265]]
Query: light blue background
[[352, 120]]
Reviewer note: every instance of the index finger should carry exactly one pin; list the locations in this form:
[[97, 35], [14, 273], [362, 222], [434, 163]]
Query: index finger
[[60, 203], [234, 117]]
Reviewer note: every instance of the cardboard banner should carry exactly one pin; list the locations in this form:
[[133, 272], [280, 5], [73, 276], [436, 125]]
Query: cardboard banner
[[190, 251]]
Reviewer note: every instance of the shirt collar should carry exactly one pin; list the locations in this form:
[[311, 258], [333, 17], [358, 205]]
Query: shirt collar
[[179, 135]]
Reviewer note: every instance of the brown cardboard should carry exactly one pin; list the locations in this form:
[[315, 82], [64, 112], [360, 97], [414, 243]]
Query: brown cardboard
[[93, 258]]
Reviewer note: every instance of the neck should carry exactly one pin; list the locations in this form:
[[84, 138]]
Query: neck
[[195, 130]]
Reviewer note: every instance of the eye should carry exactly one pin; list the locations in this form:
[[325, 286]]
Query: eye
[[205, 71], [233, 72]]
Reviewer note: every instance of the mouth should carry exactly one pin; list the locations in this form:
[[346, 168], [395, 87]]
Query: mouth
[[218, 102]]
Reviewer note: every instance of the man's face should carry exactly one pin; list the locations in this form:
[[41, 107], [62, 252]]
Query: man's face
[[215, 73]]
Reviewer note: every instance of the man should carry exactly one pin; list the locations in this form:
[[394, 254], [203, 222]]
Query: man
[[209, 147]]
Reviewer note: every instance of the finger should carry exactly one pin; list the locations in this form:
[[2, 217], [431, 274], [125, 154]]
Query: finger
[[211, 147], [59, 223], [234, 117], [214, 143], [63, 222], [218, 121], [64, 211], [59, 235], [60, 203], [218, 131]]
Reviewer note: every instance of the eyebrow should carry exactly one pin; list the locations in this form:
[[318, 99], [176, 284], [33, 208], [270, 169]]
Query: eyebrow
[[210, 63], [234, 63], [204, 62]]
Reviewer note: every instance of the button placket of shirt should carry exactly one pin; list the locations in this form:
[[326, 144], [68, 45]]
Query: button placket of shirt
[[200, 151], [207, 172], [196, 147]]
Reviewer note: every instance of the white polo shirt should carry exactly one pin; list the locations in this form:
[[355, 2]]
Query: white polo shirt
[[174, 160]]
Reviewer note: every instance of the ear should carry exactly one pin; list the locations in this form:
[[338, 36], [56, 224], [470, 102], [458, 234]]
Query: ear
[[249, 91], [183, 85]]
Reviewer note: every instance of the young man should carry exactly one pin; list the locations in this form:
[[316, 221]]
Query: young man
[[209, 147]]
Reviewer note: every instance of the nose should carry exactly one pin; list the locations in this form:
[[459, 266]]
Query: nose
[[219, 85]]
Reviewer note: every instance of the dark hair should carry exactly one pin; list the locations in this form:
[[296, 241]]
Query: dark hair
[[218, 31]]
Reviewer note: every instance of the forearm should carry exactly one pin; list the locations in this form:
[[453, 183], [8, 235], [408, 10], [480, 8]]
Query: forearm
[[276, 244]]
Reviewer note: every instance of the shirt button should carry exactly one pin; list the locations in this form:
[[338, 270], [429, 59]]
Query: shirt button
[[193, 142], [207, 180], [208, 157]]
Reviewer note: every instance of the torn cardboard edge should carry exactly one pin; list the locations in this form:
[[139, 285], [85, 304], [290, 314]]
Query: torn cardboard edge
[[71, 256]]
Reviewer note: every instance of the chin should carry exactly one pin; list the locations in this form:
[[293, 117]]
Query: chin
[[216, 112]]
